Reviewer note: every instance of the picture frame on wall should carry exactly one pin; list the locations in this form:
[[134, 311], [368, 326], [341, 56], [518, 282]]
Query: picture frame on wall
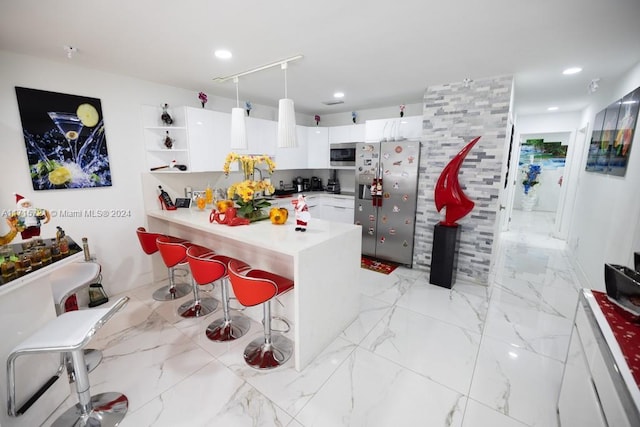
[[612, 136], [65, 140], [624, 133]]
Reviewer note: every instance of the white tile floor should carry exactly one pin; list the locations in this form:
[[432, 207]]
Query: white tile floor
[[418, 354]]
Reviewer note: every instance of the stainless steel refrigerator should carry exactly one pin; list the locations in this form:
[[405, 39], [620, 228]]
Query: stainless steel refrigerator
[[385, 200]]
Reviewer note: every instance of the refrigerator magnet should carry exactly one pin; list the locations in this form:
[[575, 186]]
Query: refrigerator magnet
[[386, 195], [386, 156], [370, 231], [359, 208], [372, 218], [392, 231], [405, 243], [384, 219], [398, 149], [396, 208], [382, 239], [410, 159], [398, 163], [396, 185], [405, 197]]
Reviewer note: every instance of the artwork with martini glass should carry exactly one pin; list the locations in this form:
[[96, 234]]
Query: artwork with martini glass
[[65, 140]]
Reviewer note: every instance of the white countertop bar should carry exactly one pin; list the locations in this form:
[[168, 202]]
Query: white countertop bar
[[324, 263]]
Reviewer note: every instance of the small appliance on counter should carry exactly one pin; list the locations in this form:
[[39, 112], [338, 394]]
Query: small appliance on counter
[[297, 183], [316, 184], [333, 184]]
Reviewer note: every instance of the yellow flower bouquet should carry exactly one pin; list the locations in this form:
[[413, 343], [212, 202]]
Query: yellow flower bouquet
[[243, 193]]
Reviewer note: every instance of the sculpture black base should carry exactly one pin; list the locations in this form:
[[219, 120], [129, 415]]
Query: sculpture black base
[[444, 255]]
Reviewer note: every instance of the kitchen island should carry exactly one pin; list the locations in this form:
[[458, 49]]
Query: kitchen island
[[324, 263]]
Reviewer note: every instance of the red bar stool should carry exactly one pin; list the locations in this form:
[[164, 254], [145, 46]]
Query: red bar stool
[[149, 246], [174, 252], [253, 287], [207, 267]]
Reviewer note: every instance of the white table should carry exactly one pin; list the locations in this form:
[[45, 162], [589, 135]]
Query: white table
[[324, 263], [26, 305]]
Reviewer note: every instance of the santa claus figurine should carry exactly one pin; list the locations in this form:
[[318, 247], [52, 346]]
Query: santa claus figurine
[[29, 218], [302, 213]]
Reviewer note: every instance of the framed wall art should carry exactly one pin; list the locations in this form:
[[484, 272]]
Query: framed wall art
[[65, 140], [612, 136]]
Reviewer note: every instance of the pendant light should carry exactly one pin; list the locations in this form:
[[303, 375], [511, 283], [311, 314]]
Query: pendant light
[[286, 118], [238, 125]]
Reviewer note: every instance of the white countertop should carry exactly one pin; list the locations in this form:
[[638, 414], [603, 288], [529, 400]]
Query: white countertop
[[279, 238]]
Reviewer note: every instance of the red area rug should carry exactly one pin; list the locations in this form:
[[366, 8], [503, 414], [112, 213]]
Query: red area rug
[[377, 266]]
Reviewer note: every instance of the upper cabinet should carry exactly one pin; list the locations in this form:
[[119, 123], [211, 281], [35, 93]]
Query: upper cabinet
[[394, 129], [209, 138], [346, 133], [318, 147], [294, 158], [261, 136]]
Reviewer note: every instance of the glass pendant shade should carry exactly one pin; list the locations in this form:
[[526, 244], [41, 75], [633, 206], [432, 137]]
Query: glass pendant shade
[[286, 124], [238, 129]]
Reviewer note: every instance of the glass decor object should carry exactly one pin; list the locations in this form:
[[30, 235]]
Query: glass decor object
[[165, 116]]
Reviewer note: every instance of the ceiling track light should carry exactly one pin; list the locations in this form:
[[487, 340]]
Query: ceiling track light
[[467, 82], [254, 70]]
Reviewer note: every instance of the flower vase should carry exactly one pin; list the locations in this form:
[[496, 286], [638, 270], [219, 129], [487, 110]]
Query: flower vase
[[529, 200], [255, 215]]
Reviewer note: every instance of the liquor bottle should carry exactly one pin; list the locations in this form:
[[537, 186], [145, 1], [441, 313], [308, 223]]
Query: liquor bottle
[[165, 200], [85, 249]]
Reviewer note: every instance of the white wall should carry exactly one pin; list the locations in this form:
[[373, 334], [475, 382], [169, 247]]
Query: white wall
[[606, 223], [113, 240]]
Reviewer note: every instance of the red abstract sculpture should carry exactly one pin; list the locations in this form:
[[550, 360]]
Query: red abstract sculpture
[[448, 192], [228, 217]]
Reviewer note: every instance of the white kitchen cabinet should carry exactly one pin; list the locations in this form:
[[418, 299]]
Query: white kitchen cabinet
[[318, 147], [294, 158], [409, 127], [338, 209], [155, 133], [209, 138], [261, 136], [346, 133]]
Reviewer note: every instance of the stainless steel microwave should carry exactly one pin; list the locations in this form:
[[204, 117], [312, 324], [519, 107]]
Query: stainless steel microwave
[[343, 154]]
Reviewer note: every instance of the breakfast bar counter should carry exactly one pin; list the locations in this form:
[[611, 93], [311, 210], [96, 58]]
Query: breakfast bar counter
[[324, 263]]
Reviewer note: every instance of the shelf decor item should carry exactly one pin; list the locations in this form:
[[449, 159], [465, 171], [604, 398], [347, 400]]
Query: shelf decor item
[[354, 116], [168, 141], [165, 116], [244, 192], [401, 110], [248, 107], [203, 98], [317, 119]]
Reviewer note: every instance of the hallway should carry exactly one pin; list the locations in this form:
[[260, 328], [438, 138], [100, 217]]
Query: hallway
[[418, 354]]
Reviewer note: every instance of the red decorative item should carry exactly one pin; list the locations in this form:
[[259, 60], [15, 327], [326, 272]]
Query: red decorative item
[[448, 192], [228, 217]]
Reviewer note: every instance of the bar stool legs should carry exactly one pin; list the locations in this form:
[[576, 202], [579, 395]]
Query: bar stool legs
[[105, 409], [229, 327], [197, 307], [270, 351], [171, 291]]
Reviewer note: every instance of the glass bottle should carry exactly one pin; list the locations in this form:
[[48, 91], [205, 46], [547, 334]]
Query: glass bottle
[[85, 249]]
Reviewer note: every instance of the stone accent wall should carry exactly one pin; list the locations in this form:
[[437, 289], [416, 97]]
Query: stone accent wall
[[453, 116]]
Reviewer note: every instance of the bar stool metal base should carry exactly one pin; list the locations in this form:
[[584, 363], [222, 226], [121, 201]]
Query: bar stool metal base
[[92, 358], [222, 330], [108, 410], [165, 294], [190, 309], [261, 355]]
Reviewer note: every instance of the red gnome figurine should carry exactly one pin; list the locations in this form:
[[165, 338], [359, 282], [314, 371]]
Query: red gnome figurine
[[302, 213]]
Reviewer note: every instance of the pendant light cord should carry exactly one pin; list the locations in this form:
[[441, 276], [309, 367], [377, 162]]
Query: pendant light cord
[[235, 80], [284, 67]]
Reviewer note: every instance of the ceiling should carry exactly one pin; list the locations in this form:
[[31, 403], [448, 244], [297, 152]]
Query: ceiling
[[379, 53]]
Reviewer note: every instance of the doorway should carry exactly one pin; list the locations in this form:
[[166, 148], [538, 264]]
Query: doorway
[[541, 165]]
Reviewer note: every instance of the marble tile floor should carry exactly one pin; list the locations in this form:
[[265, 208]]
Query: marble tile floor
[[417, 355]]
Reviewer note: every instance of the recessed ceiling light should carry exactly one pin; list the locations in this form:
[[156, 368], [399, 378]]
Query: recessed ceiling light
[[552, 109], [222, 54], [338, 95], [572, 70]]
